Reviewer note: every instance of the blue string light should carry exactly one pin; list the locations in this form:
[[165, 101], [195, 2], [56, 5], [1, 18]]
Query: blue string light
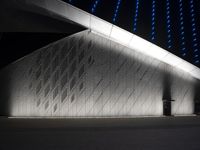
[[194, 34], [182, 30], [94, 6], [153, 22], [116, 11], [153, 35], [169, 32], [136, 16]]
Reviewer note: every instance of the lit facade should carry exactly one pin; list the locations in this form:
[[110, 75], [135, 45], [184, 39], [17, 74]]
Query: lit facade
[[103, 71]]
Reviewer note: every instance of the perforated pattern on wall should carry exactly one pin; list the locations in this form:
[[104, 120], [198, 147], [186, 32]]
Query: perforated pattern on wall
[[88, 75]]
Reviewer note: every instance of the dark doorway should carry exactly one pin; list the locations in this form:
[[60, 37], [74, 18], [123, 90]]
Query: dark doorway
[[197, 108], [197, 99], [166, 107]]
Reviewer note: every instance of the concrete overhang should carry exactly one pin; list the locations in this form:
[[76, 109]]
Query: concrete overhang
[[63, 11], [17, 16]]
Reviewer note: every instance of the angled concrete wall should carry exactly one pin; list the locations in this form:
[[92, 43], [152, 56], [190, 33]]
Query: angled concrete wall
[[86, 75]]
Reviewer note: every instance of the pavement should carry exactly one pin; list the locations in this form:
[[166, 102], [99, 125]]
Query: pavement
[[150, 133]]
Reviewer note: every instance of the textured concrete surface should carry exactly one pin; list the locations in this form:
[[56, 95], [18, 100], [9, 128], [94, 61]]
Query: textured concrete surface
[[88, 75]]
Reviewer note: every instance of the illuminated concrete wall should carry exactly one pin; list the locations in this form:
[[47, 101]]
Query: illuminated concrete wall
[[88, 75]]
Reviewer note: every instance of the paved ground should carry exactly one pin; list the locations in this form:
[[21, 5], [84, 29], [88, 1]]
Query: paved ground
[[165, 133]]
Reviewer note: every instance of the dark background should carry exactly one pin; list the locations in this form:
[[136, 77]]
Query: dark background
[[15, 45]]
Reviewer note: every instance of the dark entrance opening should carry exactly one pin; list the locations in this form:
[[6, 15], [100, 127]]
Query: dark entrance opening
[[197, 99], [166, 108], [197, 108], [167, 104]]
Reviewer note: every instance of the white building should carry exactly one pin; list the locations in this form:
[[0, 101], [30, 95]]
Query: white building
[[103, 71]]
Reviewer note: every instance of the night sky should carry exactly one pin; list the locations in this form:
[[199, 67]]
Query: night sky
[[14, 45], [171, 24]]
